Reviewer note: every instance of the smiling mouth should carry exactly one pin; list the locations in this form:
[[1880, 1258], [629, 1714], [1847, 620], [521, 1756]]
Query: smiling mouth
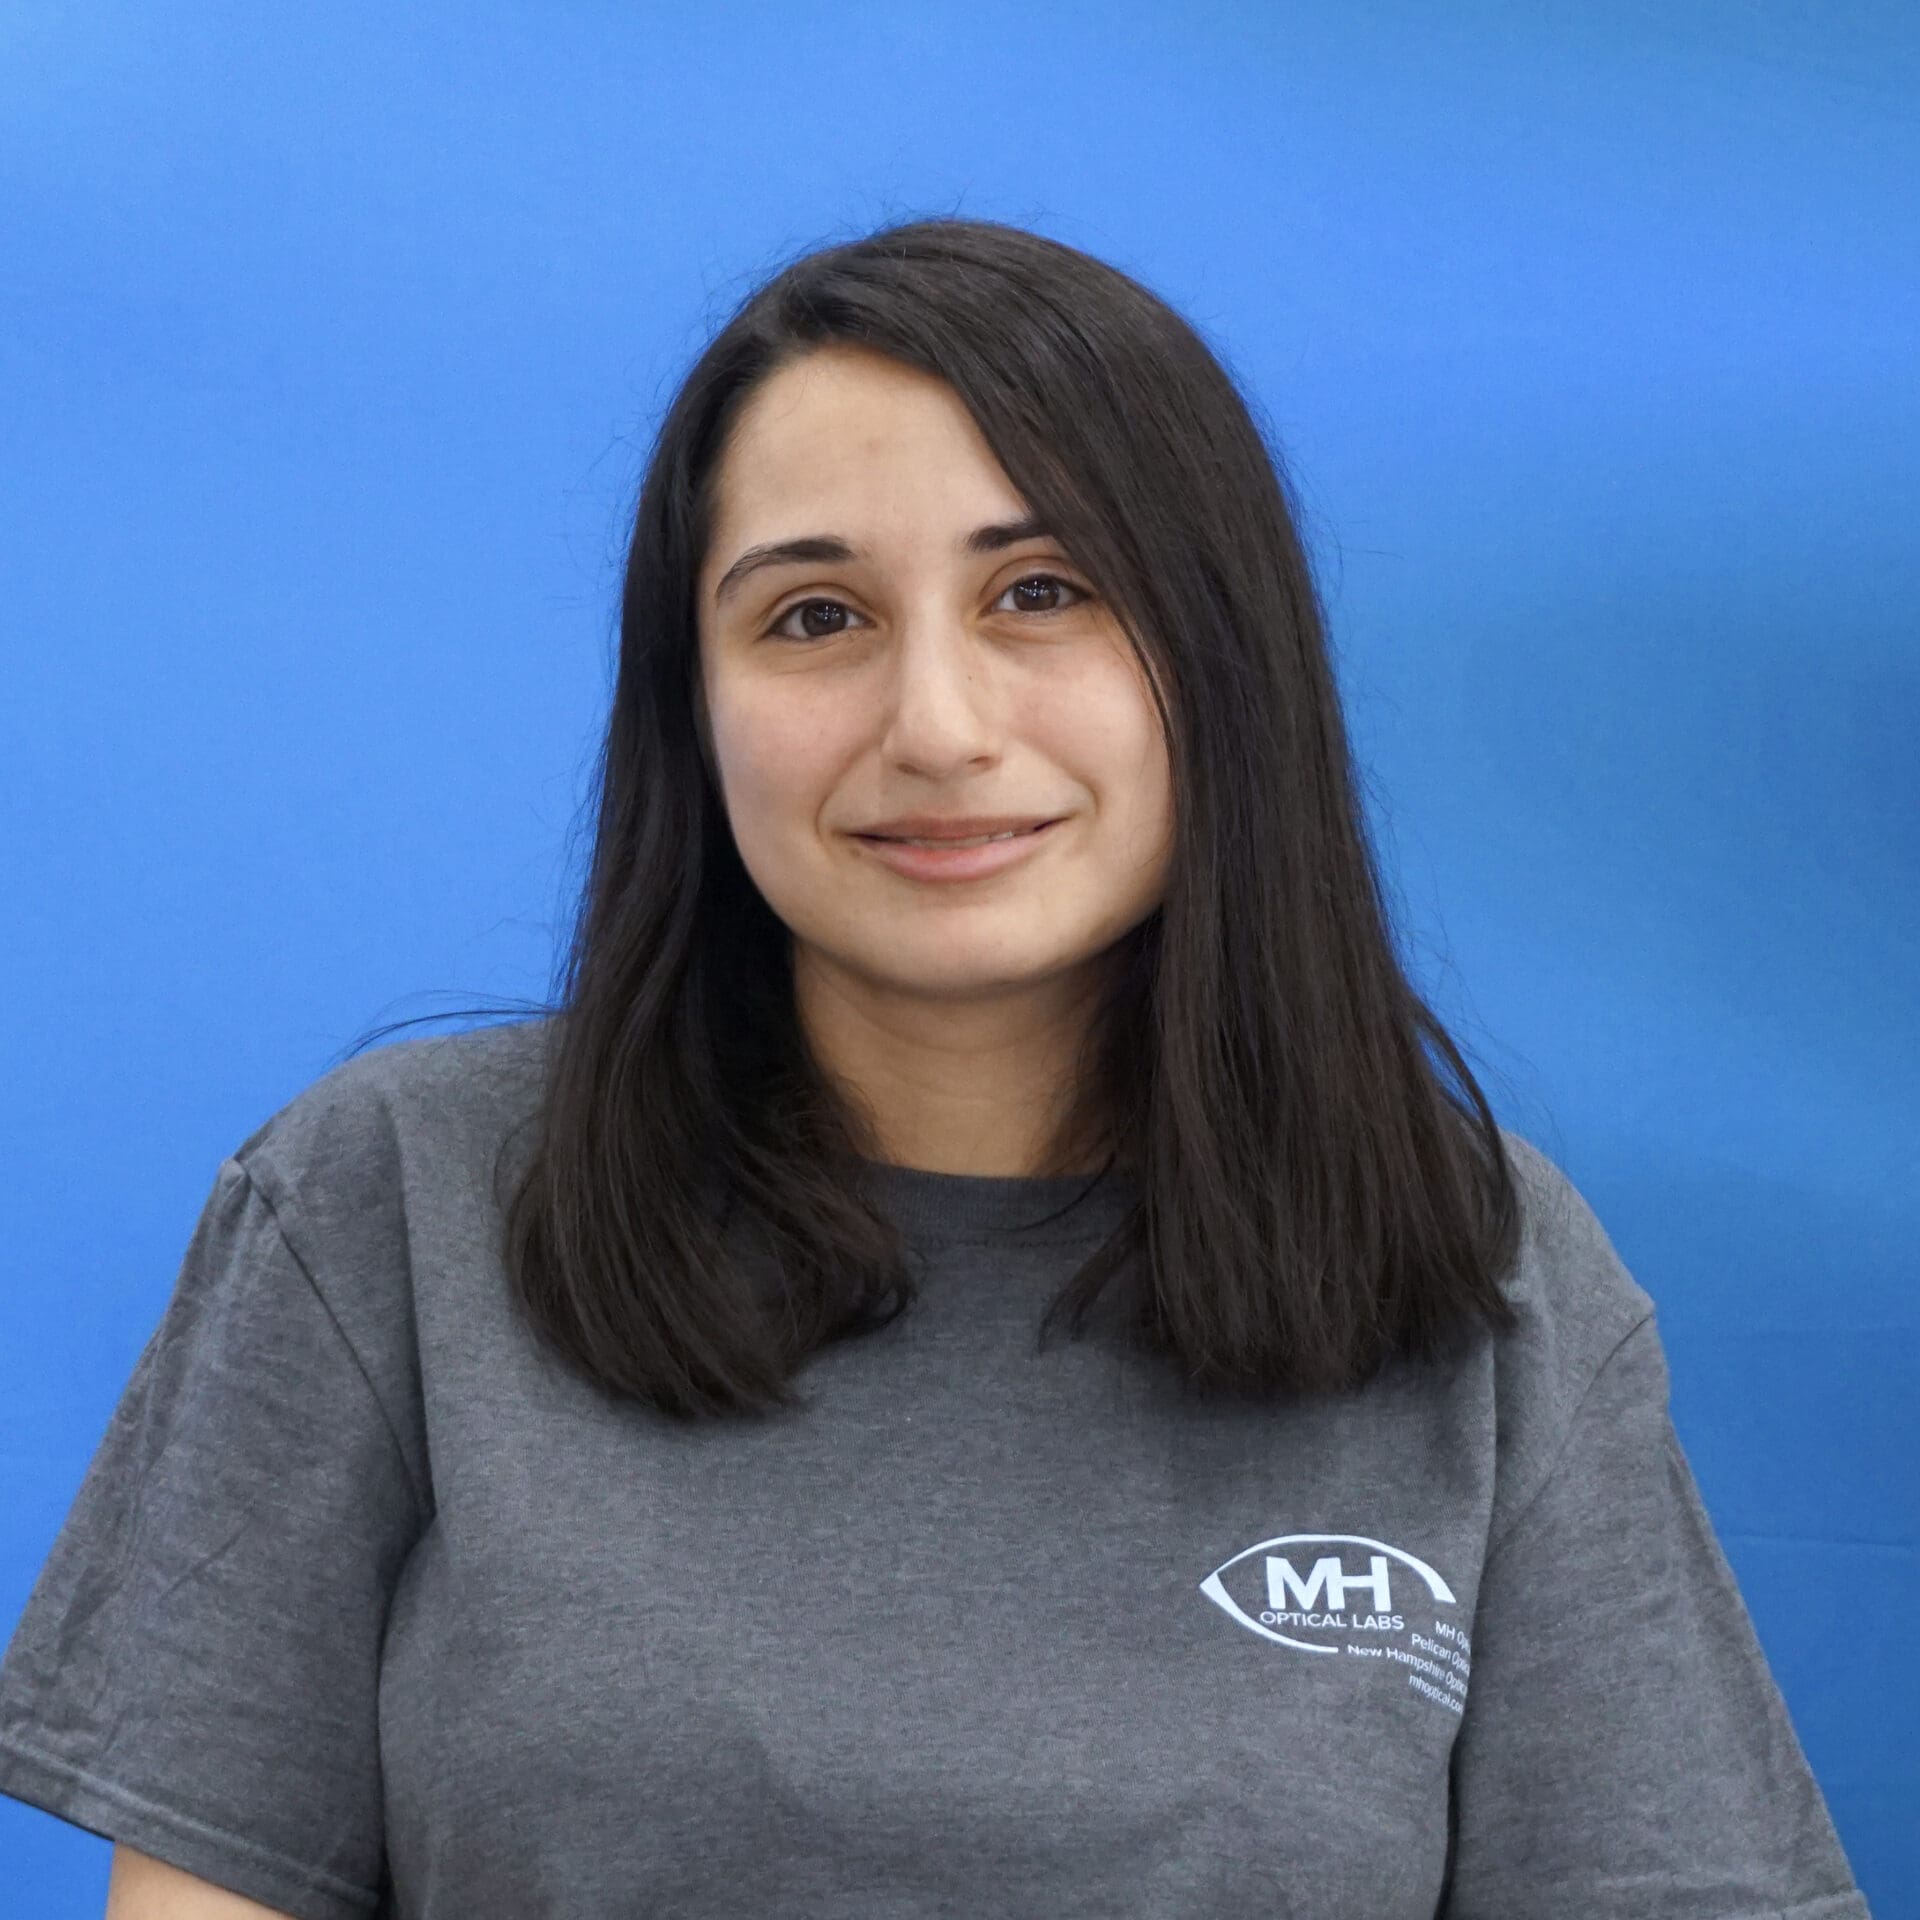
[[972, 840]]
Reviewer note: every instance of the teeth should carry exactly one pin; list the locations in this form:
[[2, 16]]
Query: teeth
[[981, 841]]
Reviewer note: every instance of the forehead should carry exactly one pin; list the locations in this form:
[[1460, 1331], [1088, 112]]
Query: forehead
[[851, 432]]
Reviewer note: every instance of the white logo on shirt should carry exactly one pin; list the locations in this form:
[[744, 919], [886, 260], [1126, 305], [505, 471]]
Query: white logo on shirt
[[1308, 1592]]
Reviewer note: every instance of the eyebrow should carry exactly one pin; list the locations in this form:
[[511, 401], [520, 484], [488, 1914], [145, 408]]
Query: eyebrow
[[830, 546]]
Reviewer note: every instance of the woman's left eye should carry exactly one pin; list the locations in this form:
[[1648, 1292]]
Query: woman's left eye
[[1045, 580]]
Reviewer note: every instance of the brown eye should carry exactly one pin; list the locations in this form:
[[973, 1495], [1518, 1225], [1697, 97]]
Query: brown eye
[[778, 629], [1045, 580]]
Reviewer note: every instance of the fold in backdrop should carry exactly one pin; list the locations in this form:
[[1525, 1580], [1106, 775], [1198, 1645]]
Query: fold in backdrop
[[332, 340]]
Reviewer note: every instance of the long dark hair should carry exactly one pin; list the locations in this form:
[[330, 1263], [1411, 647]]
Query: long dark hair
[[1313, 1198]]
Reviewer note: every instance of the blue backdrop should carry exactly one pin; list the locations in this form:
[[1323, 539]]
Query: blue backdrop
[[332, 341]]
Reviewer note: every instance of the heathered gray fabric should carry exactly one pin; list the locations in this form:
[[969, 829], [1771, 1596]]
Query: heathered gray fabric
[[365, 1607]]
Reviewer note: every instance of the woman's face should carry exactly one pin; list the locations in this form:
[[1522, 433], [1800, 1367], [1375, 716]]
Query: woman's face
[[918, 676]]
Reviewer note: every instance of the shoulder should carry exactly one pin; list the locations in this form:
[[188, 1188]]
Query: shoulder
[[1577, 1305], [1568, 1282], [435, 1105]]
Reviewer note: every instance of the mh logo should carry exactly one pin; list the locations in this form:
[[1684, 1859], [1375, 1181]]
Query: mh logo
[[1319, 1599]]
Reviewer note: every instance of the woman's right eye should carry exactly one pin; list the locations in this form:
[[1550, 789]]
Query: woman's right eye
[[799, 606]]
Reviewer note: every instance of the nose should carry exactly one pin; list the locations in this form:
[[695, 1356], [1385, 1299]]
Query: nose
[[946, 707]]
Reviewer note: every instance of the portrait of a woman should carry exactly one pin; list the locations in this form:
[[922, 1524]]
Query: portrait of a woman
[[988, 1354]]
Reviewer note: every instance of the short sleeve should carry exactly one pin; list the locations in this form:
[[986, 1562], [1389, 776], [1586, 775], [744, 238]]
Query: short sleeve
[[196, 1672], [1625, 1749]]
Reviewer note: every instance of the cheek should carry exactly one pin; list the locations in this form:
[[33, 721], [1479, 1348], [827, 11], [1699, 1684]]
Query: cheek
[[1134, 815], [1144, 808], [777, 753], [1113, 734]]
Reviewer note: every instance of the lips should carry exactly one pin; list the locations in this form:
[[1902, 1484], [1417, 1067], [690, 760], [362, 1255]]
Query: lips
[[955, 840], [959, 861]]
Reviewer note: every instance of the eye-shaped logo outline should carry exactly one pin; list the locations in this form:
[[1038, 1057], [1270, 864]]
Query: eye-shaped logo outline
[[1215, 1590]]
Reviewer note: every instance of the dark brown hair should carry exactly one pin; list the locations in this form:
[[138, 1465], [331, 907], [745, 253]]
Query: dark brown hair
[[1314, 1197]]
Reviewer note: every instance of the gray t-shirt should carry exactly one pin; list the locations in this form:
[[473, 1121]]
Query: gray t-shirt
[[367, 1607]]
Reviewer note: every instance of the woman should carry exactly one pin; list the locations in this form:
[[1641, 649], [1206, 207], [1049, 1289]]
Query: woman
[[503, 1519]]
